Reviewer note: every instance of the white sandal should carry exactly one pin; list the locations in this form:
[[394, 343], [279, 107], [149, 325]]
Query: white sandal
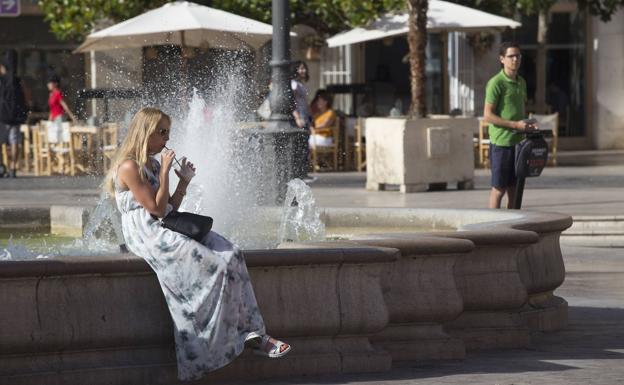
[[251, 337], [271, 347]]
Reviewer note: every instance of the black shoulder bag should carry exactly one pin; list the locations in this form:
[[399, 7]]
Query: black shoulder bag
[[192, 225]]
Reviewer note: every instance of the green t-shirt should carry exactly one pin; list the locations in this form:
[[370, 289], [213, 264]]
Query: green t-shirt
[[508, 96]]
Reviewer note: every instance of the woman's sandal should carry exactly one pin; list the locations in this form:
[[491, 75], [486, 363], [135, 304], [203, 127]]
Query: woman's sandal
[[268, 346]]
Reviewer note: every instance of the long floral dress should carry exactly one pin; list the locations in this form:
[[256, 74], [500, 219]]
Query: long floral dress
[[206, 286]]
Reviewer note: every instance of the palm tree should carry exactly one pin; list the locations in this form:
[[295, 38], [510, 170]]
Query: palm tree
[[417, 40]]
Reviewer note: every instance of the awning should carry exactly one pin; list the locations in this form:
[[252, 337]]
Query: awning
[[441, 16], [181, 23]]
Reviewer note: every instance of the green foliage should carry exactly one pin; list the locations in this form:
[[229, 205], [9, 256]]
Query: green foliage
[[499, 7], [74, 19], [326, 16], [602, 8]]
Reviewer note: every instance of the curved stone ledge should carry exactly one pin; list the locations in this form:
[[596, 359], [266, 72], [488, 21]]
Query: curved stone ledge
[[348, 306]]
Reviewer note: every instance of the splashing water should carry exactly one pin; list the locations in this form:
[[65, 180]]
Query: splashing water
[[104, 226], [300, 218], [16, 251], [236, 183]]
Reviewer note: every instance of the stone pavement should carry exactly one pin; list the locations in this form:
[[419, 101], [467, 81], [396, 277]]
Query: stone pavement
[[589, 351], [584, 183]]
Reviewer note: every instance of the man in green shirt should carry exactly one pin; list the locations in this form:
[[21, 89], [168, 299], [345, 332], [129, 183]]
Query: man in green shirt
[[505, 98]]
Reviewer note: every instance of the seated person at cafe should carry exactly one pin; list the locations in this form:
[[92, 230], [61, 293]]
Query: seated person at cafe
[[324, 120]]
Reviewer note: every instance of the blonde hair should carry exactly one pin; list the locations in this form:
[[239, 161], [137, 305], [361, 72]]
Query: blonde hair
[[134, 145]]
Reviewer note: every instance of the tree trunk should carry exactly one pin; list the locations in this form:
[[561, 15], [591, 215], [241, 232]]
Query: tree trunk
[[417, 40], [540, 80]]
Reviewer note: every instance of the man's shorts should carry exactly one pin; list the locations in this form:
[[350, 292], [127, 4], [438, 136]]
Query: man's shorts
[[503, 165], [10, 134]]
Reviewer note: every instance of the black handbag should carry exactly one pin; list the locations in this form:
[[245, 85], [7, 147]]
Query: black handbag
[[192, 225]]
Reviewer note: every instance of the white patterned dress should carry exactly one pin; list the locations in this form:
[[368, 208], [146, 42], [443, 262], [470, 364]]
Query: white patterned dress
[[206, 286]]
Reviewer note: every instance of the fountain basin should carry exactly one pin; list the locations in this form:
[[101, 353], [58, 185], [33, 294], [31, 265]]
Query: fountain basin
[[353, 305]]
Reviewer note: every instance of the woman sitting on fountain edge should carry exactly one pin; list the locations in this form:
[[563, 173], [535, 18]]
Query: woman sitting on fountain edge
[[206, 284]]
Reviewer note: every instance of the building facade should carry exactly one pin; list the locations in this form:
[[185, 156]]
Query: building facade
[[584, 77], [41, 54]]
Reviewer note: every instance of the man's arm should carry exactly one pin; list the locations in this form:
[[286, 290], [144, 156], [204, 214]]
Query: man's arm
[[489, 115]]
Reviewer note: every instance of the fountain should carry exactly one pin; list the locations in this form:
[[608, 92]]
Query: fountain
[[381, 291], [383, 286], [379, 287], [477, 279]]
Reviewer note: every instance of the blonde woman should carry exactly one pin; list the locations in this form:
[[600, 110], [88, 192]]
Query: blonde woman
[[206, 284]]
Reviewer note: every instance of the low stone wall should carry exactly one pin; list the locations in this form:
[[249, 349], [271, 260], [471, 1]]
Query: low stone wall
[[349, 306], [91, 321]]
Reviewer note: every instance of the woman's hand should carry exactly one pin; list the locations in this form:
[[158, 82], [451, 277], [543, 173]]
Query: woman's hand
[[166, 161], [186, 171]]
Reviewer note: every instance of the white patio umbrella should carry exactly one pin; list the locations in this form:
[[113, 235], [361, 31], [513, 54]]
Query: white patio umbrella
[[441, 16], [181, 23]]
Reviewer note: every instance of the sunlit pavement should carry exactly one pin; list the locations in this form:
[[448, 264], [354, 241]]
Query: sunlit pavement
[[589, 351]]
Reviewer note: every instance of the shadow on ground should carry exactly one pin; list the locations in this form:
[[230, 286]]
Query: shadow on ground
[[592, 334]]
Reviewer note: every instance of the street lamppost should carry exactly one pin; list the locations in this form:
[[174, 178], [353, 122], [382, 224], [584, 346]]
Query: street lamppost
[[289, 142], [281, 100]]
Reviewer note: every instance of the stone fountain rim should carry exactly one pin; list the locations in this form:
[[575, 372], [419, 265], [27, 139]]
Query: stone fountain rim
[[511, 228]]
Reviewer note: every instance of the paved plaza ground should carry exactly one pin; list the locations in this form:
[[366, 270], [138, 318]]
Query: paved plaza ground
[[584, 183], [589, 351]]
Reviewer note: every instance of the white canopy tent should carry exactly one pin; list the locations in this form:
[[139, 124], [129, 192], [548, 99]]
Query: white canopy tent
[[181, 23], [441, 16], [343, 62]]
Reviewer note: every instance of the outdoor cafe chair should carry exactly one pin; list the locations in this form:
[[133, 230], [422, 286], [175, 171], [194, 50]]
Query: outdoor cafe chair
[[359, 145], [482, 143], [41, 150], [53, 149], [83, 147], [109, 142], [549, 124], [61, 149], [27, 147], [5, 154], [317, 151]]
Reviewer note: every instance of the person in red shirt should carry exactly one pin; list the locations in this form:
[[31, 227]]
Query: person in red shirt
[[57, 105]]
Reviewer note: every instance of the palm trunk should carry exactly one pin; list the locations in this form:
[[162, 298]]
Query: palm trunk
[[417, 40]]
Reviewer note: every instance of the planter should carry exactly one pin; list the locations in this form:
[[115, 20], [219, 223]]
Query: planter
[[417, 153]]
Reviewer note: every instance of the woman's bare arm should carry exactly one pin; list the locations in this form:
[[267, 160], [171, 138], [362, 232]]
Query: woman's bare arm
[[298, 120], [178, 194], [155, 202]]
